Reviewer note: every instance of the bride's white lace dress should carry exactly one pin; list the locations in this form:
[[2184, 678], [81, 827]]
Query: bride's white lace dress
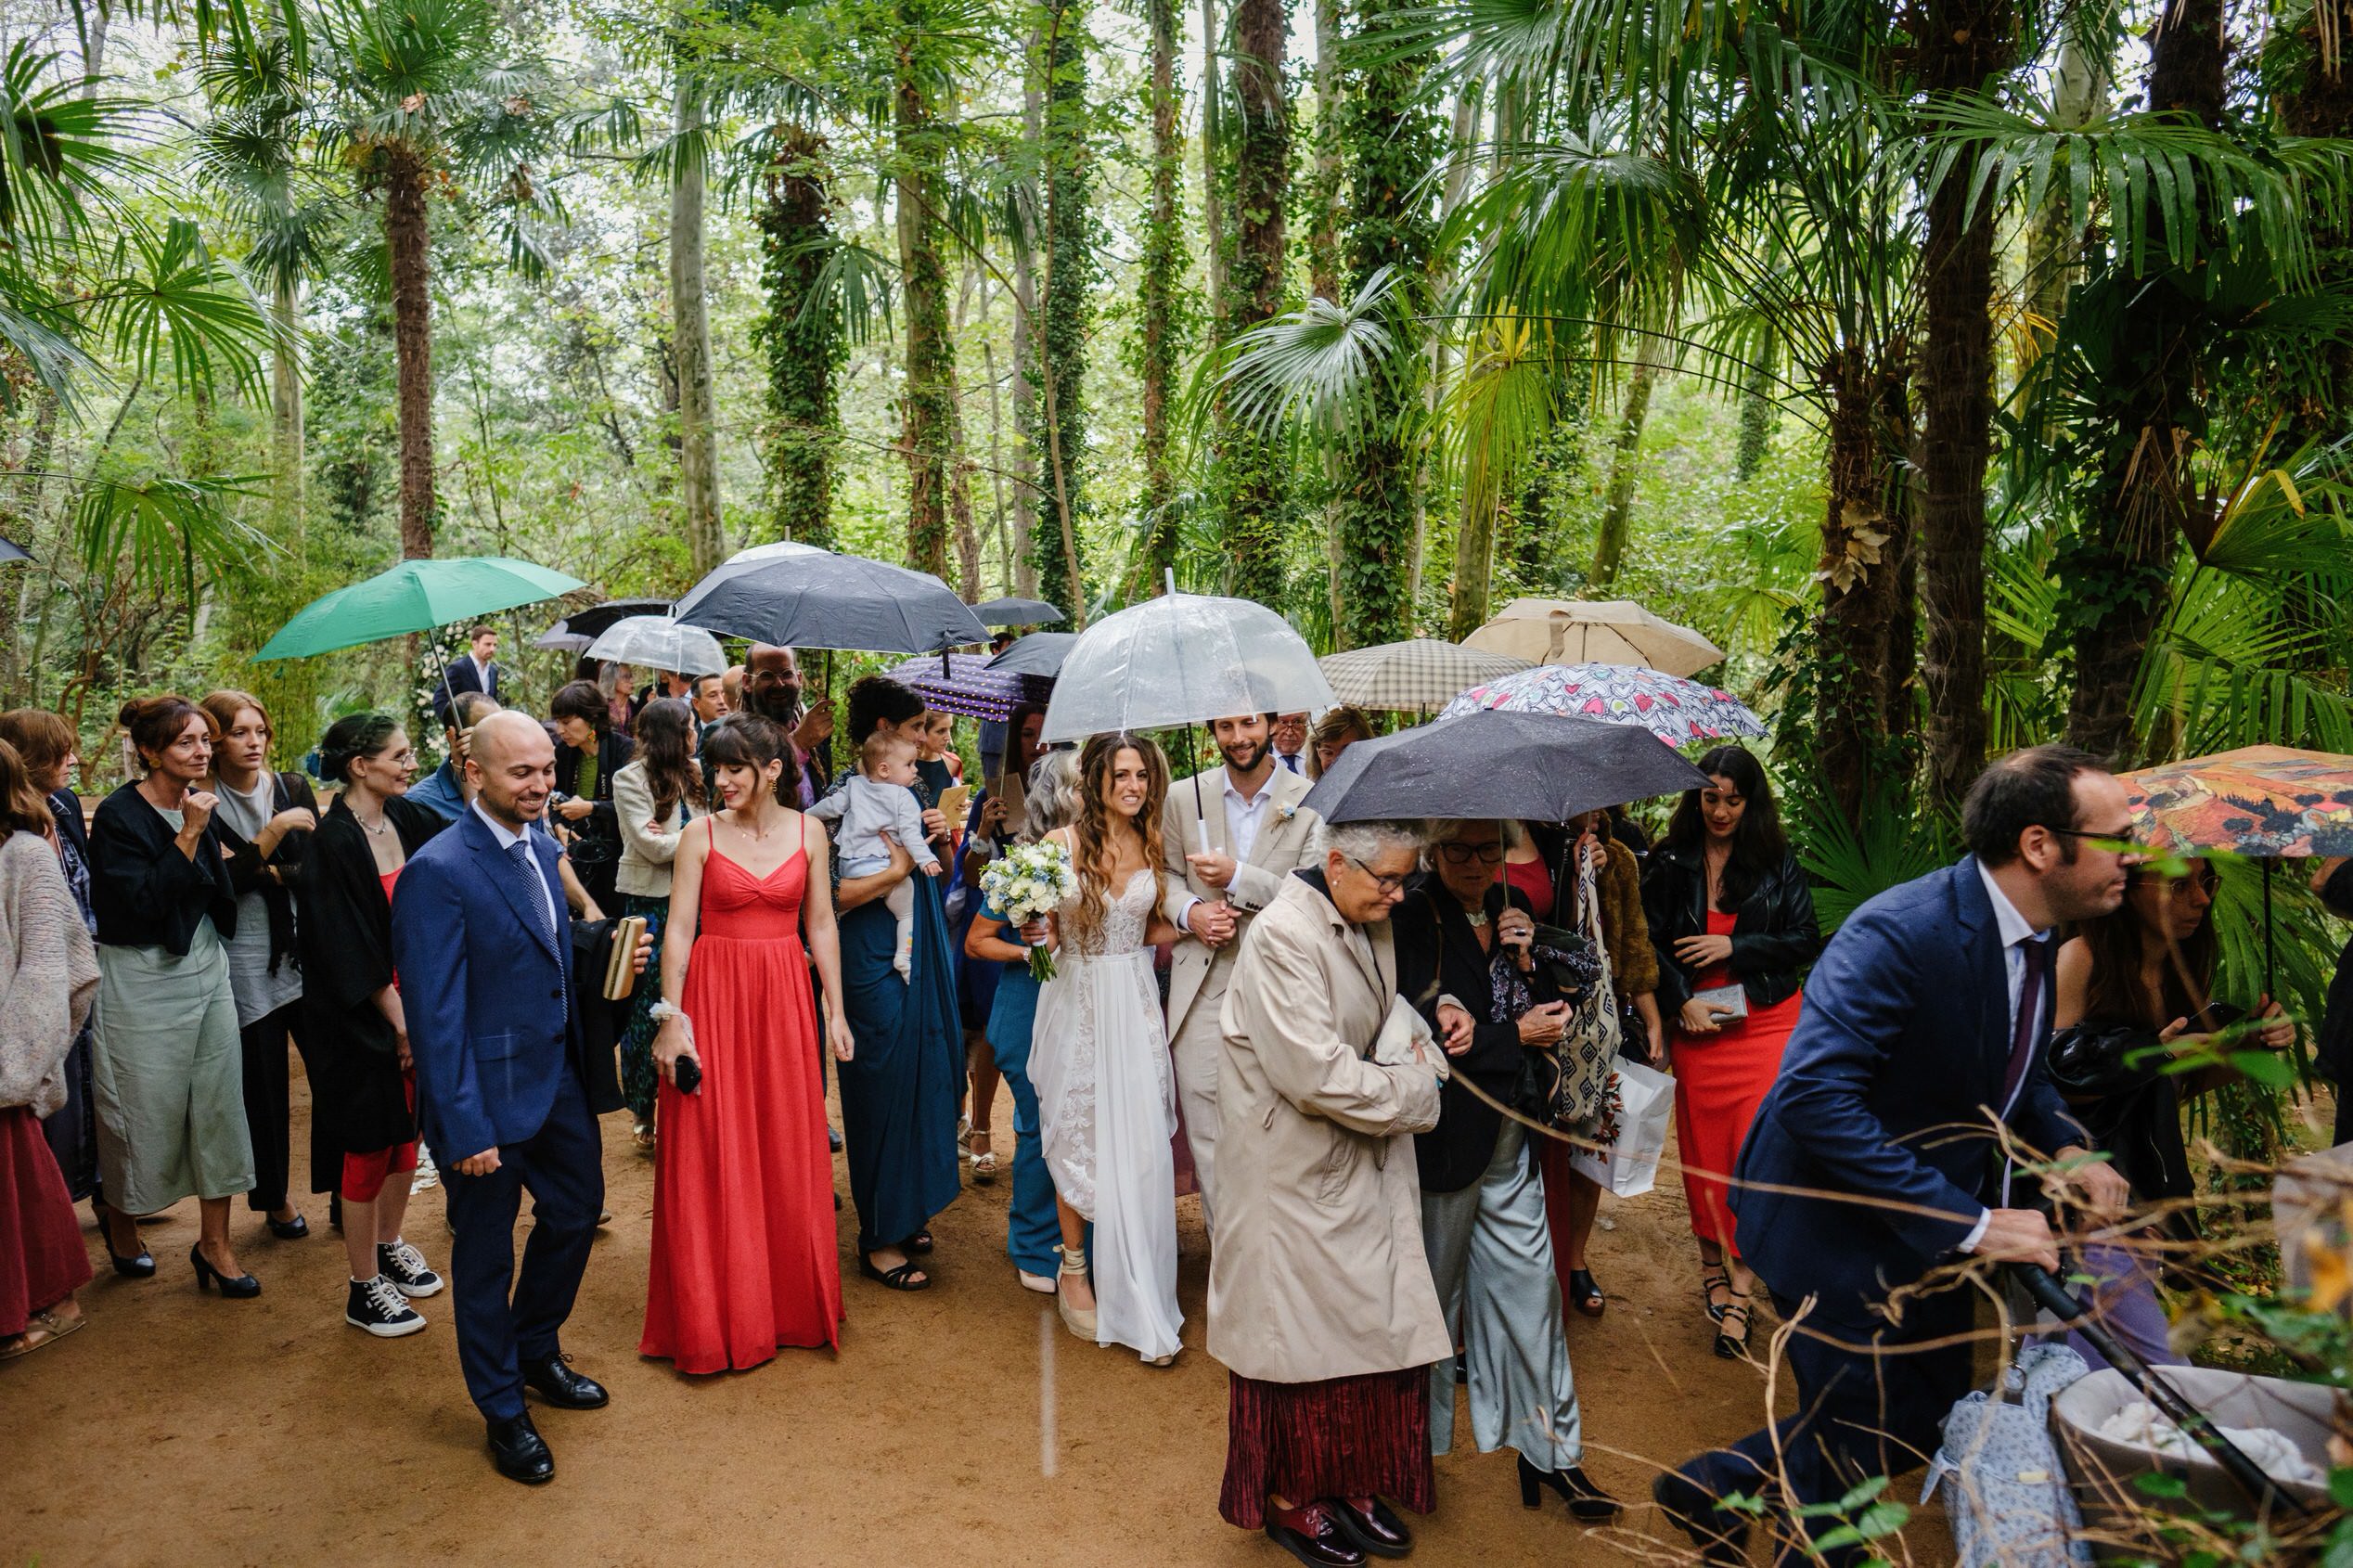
[[1106, 1111]]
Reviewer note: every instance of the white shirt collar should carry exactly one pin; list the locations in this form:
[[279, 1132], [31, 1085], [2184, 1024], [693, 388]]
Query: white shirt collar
[[1251, 802], [2012, 925], [508, 838]]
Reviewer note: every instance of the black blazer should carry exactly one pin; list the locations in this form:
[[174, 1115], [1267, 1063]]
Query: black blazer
[[358, 1094], [146, 893], [596, 836], [1438, 952], [1775, 936], [458, 675], [289, 790]]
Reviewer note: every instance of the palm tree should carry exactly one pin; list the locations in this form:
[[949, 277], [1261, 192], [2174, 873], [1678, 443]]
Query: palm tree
[[414, 93]]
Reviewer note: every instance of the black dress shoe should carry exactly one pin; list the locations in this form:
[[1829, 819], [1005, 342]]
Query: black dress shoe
[[290, 1230], [1313, 1537], [1587, 1503], [520, 1452], [561, 1386], [1380, 1531], [241, 1286], [1721, 1534]]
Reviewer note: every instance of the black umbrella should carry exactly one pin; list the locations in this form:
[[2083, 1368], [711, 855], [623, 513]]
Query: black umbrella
[[1040, 653], [1017, 612], [1532, 768], [577, 630], [801, 596], [10, 551]]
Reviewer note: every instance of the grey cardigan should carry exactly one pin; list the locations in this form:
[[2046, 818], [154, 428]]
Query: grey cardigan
[[49, 973]]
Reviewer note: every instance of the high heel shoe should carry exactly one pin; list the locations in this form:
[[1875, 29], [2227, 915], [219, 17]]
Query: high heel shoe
[[139, 1264], [1730, 1345], [242, 1287], [1079, 1320], [1587, 1503], [289, 1230]]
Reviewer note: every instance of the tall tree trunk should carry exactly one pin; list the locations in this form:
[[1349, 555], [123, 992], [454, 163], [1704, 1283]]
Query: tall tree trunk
[[1163, 258], [405, 238], [1025, 372], [930, 355], [1213, 161], [1254, 492], [1864, 524], [1617, 508], [1066, 312], [2121, 566], [2317, 101], [1964, 44], [1759, 412], [1392, 141], [286, 414], [690, 333], [1323, 235], [960, 498], [801, 333]]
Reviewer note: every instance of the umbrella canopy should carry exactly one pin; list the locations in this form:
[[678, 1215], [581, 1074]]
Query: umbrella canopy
[[1675, 710], [1530, 767], [1420, 676], [1017, 612], [577, 630], [2261, 802], [1552, 630], [970, 685], [656, 642], [10, 550], [1040, 653], [1183, 659], [414, 595], [798, 596]]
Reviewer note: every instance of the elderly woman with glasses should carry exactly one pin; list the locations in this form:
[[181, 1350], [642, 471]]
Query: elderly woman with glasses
[[2130, 993], [1466, 957]]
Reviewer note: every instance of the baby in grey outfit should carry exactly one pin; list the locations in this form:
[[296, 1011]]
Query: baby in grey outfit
[[876, 799]]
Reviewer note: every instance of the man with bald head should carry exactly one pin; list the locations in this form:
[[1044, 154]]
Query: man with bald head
[[482, 943]]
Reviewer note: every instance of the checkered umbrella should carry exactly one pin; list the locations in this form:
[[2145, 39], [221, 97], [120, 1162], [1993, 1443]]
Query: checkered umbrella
[[969, 686], [1420, 676], [1670, 707]]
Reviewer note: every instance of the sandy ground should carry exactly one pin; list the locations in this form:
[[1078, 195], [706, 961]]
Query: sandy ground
[[962, 1423]]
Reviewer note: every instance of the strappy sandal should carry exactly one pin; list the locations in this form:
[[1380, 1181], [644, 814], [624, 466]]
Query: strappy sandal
[[985, 1161], [1711, 1280], [1586, 1294], [918, 1245], [1079, 1320], [1731, 1346], [899, 1279]]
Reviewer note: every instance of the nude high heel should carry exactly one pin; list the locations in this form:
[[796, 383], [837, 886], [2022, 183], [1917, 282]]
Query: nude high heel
[[1078, 1320]]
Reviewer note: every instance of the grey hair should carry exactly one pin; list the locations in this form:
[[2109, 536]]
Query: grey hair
[[1052, 796], [1364, 841], [1444, 830]]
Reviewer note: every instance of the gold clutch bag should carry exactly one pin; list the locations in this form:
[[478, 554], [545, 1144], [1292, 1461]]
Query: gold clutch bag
[[621, 965]]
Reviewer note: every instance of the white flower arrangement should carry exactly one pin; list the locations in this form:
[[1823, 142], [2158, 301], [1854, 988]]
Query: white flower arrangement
[[1030, 881]]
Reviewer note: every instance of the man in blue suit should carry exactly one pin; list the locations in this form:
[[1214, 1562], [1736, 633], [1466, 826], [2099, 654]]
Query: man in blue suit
[[483, 942], [1875, 1158], [477, 670]]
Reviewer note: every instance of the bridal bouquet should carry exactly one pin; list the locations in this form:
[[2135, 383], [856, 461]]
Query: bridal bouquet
[[1029, 880]]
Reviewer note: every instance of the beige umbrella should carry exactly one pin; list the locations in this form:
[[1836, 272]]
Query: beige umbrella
[[1420, 676], [1618, 630]]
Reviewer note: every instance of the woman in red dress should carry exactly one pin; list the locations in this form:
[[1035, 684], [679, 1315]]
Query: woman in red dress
[[1731, 914], [744, 1255]]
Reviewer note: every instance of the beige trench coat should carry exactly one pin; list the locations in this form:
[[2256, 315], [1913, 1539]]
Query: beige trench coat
[[1285, 841], [1319, 1271]]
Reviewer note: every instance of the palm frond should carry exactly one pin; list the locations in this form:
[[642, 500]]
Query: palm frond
[[1318, 366]]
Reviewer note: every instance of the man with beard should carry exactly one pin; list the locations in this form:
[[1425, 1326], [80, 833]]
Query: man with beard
[[772, 687], [1885, 1151], [1231, 835]]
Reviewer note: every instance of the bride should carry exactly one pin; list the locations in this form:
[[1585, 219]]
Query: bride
[[1106, 1101]]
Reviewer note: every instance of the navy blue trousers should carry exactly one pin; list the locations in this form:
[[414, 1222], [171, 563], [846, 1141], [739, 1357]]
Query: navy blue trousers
[[1857, 1415], [505, 1318]]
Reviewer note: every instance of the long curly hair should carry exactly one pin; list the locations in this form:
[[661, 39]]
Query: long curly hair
[[1092, 829]]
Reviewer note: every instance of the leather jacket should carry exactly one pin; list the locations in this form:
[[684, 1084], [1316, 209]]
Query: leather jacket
[[1775, 938]]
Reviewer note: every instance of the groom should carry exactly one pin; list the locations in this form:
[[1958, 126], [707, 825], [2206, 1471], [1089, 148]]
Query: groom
[[481, 940], [1230, 836]]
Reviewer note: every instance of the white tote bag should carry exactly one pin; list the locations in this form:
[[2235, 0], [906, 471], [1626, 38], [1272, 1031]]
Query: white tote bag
[[1637, 1105]]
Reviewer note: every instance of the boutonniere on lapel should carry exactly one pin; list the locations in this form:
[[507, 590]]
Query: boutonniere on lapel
[[1286, 810]]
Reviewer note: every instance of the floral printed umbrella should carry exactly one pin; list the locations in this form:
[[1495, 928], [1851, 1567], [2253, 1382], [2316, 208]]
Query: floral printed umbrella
[[2261, 802], [1675, 710]]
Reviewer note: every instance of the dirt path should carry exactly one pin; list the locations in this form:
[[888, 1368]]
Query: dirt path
[[179, 1429]]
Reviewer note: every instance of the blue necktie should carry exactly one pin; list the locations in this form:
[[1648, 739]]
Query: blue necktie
[[534, 888]]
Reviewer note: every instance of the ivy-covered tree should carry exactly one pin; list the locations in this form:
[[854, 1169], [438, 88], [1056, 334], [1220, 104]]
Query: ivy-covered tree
[[1164, 261], [1066, 312], [1250, 464], [920, 153], [800, 336]]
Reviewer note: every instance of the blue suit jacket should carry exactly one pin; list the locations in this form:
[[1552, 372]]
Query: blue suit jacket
[[458, 675], [483, 989], [1888, 1089]]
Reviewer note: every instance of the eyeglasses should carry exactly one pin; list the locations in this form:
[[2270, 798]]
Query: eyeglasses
[[1463, 854], [1386, 884], [2118, 840]]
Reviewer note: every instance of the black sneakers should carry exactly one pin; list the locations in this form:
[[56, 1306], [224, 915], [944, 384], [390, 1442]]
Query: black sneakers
[[378, 1306], [405, 1266]]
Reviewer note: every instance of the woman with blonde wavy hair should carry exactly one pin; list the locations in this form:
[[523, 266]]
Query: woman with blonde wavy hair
[[1099, 1057]]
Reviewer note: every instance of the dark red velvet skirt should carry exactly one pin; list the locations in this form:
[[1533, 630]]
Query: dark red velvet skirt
[[43, 1259], [1363, 1436]]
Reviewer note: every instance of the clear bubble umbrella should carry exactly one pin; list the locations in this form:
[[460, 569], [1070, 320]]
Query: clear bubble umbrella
[[657, 642], [1183, 659]]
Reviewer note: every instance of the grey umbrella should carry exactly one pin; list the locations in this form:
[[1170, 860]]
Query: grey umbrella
[[1040, 653], [577, 630], [798, 596], [10, 551], [1529, 767], [1017, 612]]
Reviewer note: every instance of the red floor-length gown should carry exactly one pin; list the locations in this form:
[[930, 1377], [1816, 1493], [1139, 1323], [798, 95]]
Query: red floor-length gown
[[1720, 1080], [744, 1255]]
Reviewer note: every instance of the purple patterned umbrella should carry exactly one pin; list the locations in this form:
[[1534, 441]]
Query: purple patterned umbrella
[[1670, 707], [969, 686]]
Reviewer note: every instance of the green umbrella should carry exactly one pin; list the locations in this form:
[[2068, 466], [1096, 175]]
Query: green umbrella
[[416, 596]]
